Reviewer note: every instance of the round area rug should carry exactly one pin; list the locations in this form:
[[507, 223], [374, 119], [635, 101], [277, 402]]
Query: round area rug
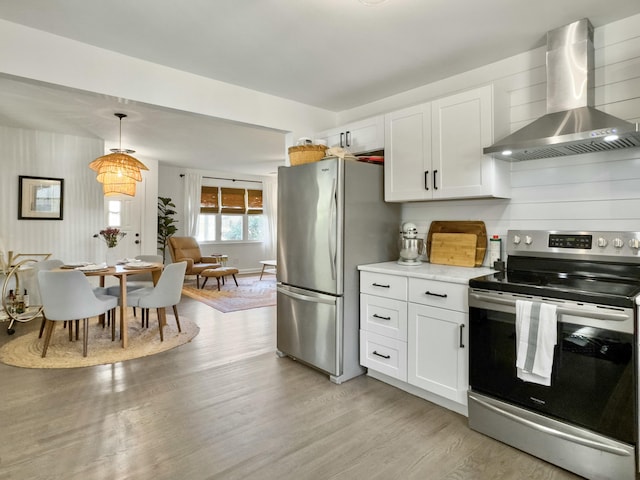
[[26, 350]]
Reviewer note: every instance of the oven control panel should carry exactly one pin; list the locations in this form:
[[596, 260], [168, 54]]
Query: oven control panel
[[614, 245]]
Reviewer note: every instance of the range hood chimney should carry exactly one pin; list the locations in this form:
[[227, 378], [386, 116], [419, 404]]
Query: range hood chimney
[[572, 125]]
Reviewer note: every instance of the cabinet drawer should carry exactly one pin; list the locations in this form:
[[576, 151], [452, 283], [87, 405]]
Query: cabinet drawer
[[453, 296], [389, 286], [383, 354], [384, 316]]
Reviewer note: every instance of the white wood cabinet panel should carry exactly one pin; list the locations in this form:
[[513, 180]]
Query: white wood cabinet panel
[[357, 137], [383, 316], [437, 353], [452, 296], [383, 354], [407, 167], [382, 285], [441, 157]]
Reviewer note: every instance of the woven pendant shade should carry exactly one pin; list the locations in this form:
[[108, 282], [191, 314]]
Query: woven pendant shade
[[118, 171], [116, 185]]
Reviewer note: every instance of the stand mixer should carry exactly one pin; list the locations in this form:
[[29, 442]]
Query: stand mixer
[[411, 247]]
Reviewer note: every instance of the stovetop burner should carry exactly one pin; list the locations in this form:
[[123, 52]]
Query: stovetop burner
[[579, 266]]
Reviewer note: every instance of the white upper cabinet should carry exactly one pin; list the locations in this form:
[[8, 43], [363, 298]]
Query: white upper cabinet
[[407, 162], [434, 150], [357, 137]]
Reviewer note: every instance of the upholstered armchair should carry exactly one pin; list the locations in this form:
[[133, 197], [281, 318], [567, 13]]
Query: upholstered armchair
[[187, 249]]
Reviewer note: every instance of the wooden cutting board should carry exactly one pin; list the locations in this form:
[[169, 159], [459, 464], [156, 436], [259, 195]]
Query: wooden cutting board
[[457, 249], [461, 226]]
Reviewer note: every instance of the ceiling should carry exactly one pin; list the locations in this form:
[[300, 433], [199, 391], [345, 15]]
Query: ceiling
[[332, 54]]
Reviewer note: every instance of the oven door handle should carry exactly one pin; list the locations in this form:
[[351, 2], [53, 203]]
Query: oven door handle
[[601, 315], [552, 431]]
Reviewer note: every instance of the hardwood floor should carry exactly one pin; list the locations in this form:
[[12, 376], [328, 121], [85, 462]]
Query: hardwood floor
[[226, 407]]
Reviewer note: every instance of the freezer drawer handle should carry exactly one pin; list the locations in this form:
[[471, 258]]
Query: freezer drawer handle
[[380, 285], [387, 357], [461, 334], [375, 315], [306, 298], [441, 295]]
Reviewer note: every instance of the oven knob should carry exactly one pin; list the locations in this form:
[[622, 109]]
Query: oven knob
[[618, 243], [516, 239], [602, 242], [634, 243], [528, 240]]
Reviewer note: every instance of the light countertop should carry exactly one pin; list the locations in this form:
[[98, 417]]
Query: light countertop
[[443, 273]]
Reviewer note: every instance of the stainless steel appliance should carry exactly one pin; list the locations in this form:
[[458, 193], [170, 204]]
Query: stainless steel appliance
[[331, 218], [586, 421], [572, 125], [411, 247]]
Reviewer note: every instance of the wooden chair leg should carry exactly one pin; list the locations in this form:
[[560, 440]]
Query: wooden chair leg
[[77, 329], [70, 330], [218, 279], [112, 314], [47, 337], [197, 281], [85, 333], [134, 311], [160, 324], [42, 325], [234, 278], [175, 313], [205, 281]]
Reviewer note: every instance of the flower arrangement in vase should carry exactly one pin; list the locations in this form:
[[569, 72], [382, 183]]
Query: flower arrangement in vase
[[111, 237]]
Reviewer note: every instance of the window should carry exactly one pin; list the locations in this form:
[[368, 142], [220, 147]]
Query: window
[[230, 215], [114, 213]]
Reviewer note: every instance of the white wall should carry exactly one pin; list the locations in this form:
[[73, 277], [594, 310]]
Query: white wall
[[594, 191], [44, 154]]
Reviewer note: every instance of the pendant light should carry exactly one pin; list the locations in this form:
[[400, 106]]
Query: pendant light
[[118, 171]]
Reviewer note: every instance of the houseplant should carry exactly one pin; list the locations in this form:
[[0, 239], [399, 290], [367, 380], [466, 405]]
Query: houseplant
[[166, 227], [111, 237]]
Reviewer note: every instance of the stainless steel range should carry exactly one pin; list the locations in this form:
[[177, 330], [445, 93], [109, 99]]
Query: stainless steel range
[[586, 418]]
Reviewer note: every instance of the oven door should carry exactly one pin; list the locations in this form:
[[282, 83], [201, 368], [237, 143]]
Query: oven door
[[593, 381]]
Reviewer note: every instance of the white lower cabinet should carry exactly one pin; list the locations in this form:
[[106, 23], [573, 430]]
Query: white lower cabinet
[[413, 332], [437, 351]]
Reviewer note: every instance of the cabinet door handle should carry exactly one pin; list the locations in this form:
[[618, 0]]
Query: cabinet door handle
[[380, 285], [441, 295], [347, 138], [426, 179], [461, 339], [435, 183], [375, 315], [381, 355], [341, 140]]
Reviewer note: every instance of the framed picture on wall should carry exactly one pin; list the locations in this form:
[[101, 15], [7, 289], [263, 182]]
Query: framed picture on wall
[[40, 198]]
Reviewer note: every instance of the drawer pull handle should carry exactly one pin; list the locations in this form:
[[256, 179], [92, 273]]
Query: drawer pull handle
[[441, 295], [381, 355], [461, 341], [380, 285], [375, 315]]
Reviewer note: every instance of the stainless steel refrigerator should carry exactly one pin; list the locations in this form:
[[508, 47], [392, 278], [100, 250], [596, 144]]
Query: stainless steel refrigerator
[[331, 218]]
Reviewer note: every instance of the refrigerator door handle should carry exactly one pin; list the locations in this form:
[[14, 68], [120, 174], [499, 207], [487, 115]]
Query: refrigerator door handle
[[332, 233], [306, 298]]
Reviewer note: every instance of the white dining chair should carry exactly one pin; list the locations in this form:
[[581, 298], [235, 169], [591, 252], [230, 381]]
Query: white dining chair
[[140, 280], [41, 266], [166, 293], [68, 296]]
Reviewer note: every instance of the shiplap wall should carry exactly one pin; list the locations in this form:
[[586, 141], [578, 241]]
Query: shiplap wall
[[593, 191], [46, 154]]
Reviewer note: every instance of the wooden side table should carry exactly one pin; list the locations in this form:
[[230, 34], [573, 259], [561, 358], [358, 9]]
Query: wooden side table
[[268, 266]]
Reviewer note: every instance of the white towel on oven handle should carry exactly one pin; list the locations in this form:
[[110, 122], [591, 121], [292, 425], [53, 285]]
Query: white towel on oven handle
[[536, 337]]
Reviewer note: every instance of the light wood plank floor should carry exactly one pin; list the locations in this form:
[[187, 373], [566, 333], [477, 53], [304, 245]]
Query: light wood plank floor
[[226, 407]]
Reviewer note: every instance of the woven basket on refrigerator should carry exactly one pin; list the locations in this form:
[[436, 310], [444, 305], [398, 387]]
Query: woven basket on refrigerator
[[306, 154]]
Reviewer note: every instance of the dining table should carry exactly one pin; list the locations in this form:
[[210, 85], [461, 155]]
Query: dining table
[[122, 271]]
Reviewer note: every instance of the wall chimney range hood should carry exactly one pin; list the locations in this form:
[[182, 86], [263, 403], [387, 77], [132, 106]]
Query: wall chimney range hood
[[572, 125]]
